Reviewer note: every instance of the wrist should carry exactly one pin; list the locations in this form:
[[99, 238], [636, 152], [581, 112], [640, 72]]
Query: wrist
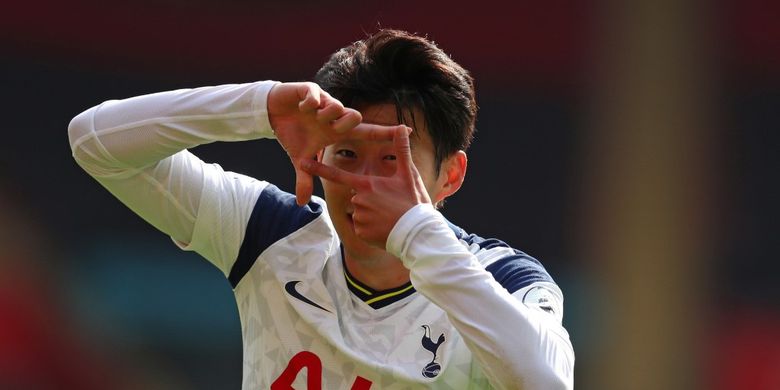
[[407, 227], [260, 108]]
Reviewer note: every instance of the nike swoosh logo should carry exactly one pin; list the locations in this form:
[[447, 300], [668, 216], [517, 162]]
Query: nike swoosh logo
[[290, 288]]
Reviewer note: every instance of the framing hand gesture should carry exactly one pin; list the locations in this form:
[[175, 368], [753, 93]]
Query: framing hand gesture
[[379, 201], [305, 119]]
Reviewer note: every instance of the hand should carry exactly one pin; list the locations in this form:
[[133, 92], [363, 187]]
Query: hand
[[379, 201], [306, 119]]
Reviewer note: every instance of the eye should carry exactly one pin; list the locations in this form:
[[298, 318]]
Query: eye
[[390, 157], [346, 153]]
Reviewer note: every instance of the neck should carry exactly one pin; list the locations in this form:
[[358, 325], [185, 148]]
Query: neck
[[381, 271]]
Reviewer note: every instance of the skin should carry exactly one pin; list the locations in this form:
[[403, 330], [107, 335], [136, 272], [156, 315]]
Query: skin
[[373, 172]]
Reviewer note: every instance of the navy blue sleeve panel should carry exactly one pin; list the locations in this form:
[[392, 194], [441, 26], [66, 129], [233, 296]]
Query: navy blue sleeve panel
[[275, 216], [513, 272], [518, 271]]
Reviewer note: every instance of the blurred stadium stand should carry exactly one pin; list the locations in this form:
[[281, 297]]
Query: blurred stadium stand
[[92, 295]]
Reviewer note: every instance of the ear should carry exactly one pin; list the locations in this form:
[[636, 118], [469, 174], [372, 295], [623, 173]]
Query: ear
[[451, 175]]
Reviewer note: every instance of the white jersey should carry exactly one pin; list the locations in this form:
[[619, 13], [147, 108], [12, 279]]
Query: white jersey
[[476, 315]]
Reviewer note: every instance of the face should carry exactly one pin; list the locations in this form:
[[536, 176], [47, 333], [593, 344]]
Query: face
[[375, 158]]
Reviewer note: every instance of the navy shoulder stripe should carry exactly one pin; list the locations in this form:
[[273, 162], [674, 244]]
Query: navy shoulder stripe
[[513, 272], [275, 216], [518, 271]]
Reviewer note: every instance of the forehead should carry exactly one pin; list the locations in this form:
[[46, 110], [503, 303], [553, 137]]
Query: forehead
[[387, 114]]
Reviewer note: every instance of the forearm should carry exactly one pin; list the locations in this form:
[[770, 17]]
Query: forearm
[[116, 136], [517, 347]]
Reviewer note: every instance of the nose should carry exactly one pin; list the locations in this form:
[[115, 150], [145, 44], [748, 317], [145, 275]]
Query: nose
[[369, 167]]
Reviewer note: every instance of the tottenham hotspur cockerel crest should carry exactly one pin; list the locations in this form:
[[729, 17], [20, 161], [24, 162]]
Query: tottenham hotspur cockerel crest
[[431, 369]]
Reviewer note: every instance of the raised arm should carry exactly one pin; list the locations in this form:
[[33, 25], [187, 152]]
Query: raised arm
[[136, 148], [518, 343]]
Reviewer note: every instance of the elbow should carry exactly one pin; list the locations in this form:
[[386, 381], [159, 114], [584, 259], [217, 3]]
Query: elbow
[[86, 148], [546, 375], [78, 129], [556, 366], [556, 376], [536, 377], [79, 132]]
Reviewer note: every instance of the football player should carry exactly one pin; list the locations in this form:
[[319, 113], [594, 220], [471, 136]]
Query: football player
[[370, 287]]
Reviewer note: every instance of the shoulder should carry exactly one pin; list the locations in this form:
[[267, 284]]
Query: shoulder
[[275, 216], [522, 275], [512, 268], [273, 203]]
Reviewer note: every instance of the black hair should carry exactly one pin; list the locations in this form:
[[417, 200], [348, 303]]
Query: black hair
[[408, 71]]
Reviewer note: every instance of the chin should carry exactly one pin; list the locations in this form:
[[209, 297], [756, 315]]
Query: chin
[[345, 229], [355, 246]]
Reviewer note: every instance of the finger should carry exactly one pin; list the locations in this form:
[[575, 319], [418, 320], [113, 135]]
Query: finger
[[309, 96], [402, 147], [330, 112], [327, 99], [347, 121], [372, 132], [304, 186], [336, 175], [325, 96]]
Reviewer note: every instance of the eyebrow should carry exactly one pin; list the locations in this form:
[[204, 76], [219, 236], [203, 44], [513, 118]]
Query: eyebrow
[[357, 142]]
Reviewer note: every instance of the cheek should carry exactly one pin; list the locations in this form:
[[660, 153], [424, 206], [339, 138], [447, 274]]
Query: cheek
[[335, 194], [324, 156], [433, 187], [328, 188], [425, 167]]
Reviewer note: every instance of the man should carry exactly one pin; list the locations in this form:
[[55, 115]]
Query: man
[[372, 287]]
